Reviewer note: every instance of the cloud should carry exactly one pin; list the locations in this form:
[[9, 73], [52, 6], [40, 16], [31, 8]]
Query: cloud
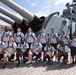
[[33, 4], [39, 14], [58, 2], [45, 10]]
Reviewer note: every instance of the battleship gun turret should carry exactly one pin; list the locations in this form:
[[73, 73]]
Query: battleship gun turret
[[7, 19], [20, 21], [35, 22]]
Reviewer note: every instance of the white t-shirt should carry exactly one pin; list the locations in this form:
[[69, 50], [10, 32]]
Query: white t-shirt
[[42, 38], [10, 47], [64, 38], [18, 36], [23, 47], [30, 37], [0, 34], [74, 42], [5, 36], [1, 46], [64, 49], [53, 38], [49, 50], [36, 46]]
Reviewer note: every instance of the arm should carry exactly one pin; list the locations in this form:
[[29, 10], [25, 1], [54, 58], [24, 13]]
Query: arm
[[40, 50], [54, 54], [15, 48], [70, 41], [27, 50], [22, 35], [33, 51], [38, 38], [14, 51], [60, 52], [36, 52], [47, 38], [15, 37]]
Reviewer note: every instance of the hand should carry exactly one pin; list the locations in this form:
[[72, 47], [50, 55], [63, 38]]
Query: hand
[[36, 52], [51, 57]]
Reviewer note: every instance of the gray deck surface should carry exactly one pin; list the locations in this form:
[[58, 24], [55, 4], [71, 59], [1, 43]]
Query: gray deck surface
[[39, 69]]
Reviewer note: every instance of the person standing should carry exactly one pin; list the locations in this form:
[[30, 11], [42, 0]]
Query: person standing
[[18, 36], [64, 37], [29, 37], [53, 38], [43, 38], [5, 35], [73, 48]]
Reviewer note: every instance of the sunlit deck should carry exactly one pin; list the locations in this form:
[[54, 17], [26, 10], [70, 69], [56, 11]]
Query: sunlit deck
[[40, 69]]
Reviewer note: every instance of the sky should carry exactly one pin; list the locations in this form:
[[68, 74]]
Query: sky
[[39, 7]]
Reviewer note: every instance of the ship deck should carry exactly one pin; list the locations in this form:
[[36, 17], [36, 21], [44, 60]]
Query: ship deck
[[40, 69]]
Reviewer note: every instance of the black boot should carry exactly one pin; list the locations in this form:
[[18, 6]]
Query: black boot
[[18, 64], [5, 65]]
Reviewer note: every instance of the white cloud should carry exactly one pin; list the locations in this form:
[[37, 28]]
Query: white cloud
[[39, 14], [46, 10], [33, 4], [58, 2]]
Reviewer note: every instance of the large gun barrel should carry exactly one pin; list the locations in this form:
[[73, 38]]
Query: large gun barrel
[[35, 22], [7, 19], [25, 13], [22, 23], [11, 15]]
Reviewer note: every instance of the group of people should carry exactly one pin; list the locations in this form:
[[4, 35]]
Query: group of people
[[30, 47]]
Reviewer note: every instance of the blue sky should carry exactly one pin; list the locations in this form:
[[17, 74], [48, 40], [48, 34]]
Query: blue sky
[[39, 7]]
